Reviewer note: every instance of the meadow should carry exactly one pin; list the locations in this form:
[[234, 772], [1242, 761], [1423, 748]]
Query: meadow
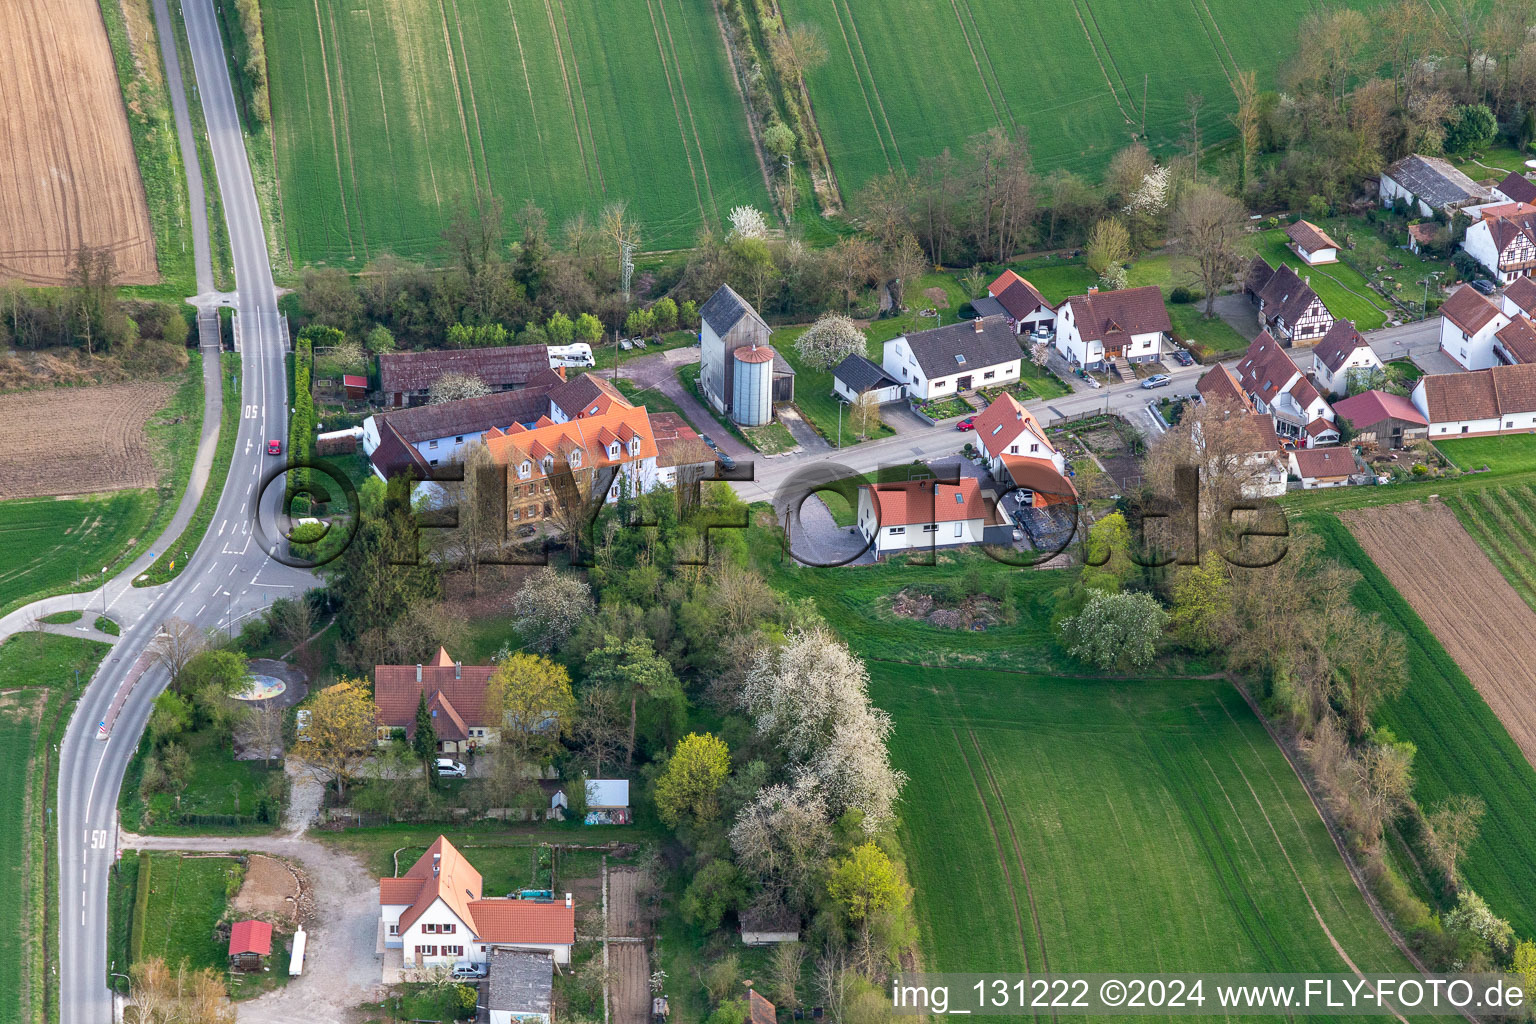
[[384, 111], [51, 543], [1462, 746], [907, 80], [1342, 288], [178, 901], [1087, 824], [37, 672]]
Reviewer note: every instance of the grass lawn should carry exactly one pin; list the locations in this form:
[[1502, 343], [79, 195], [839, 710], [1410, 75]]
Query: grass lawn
[[383, 112], [54, 545], [180, 550], [219, 785], [813, 387], [1214, 334], [1124, 825], [1493, 162], [63, 618], [1343, 290], [186, 899], [770, 438], [651, 398], [37, 693], [1515, 452], [507, 857], [107, 626]]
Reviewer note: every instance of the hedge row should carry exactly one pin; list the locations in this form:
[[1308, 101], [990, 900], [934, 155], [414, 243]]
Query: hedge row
[[140, 911]]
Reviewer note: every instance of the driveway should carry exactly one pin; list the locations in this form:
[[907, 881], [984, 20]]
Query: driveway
[[1239, 313], [659, 372], [900, 418], [341, 966], [804, 434]]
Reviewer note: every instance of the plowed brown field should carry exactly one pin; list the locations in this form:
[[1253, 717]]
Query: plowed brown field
[[1469, 606], [77, 440], [67, 170]]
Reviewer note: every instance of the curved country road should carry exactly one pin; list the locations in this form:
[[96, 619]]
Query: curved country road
[[229, 575]]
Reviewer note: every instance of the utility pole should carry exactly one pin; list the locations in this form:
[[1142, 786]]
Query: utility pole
[[626, 266]]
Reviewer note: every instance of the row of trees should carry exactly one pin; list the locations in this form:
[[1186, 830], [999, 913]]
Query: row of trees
[[1285, 620], [85, 313]]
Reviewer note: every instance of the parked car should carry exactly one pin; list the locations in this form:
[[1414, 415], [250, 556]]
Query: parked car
[[1157, 380], [1485, 286], [1183, 357], [466, 970], [274, 447], [1043, 333], [969, 423], [526, 530], [724, 459], [448, 768]]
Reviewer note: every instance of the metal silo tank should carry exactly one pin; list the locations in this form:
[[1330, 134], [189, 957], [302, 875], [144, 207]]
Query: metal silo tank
[[752, 386]]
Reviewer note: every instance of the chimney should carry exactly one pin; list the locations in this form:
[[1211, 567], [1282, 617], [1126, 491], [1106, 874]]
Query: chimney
[[436, 863], [418, 673], [458, 669], [567, 901], [1307, 280], [1093, 289], [977, 322]]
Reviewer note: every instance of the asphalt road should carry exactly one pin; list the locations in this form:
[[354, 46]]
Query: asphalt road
[[229, 577]]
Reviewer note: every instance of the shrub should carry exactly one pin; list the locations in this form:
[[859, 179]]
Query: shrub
[[1185, 295]]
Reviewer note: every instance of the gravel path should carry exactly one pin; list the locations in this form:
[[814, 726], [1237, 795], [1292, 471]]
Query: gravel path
[[342, 968]]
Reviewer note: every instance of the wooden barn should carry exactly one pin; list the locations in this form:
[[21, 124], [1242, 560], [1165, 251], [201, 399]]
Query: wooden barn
[[250, 943]]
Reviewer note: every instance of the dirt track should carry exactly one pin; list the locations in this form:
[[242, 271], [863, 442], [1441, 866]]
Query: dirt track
[[629, 962], [1467, 604], [77, 440], [71, 176]]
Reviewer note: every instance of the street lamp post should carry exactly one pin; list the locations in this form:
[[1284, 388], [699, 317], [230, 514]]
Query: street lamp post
[[840, 404]]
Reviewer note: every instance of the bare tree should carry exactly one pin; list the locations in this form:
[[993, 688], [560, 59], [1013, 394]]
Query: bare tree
[[905, 263], [1453, 826], [601, 727], [480, 500], [853, 261], [885, 208], [1209, 227], [1193, 102], [1383, 779], [265, 724], [864, 414], [1246, 120], [177, 643]]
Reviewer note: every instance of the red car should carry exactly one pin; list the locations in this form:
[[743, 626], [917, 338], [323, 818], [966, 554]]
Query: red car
[[969, 423], [274, 447]]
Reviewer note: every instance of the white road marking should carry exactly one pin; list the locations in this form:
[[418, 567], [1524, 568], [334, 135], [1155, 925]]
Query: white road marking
[[178, 607], [222, 524], [200, 610]]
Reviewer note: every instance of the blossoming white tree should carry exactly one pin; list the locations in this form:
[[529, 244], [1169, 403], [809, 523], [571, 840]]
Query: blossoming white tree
[[830, 340], [748, 222]]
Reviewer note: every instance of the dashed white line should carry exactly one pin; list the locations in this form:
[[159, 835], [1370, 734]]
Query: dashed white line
[[200, 610]]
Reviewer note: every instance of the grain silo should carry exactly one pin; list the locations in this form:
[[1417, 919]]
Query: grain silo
[[752, 386]]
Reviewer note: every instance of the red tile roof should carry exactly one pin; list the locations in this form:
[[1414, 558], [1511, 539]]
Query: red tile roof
[[760, 1010], [587, 395], [530, 922], [1334, 348], [250, 937], [1266, 368], [1217, 385], [456, 692], [1104, 315], [352, 380], [1319, 426], [1449, 397], [592, 436], [1018, 296], [399, 892], [1038, 475], [1372, 407], [1522, 292], [1468, 309], [1519, 337], [923, 501], [445, 875], [677, 444], [1324, 463], [1310, 237], [1005, 419]]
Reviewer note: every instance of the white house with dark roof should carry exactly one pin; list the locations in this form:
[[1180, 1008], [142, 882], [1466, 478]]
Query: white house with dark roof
[[1503, 240], [1288, 307], [1519, 297], [856, 375], [1099, 328], [1338, 352], [1469, 320], [1429, 182], [953, 360], [1515, 188]]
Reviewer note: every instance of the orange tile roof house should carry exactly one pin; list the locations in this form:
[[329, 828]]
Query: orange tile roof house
[[1479, 403], [925, 514], [1021, 302], [1019, 455], [1469, 321], [437, 915], [455, 696], [1323, 467]]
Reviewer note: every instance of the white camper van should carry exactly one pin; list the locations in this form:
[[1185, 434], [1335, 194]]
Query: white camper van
[[579, 354]]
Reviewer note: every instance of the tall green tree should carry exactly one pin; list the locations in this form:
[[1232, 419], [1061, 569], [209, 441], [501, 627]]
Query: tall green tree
[[634, 670], [424, 743], [688, 789]]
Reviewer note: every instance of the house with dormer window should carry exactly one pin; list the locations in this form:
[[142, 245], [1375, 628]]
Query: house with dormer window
[[1100, 329], [1017, 452], [1503, 239], [1277, 387], [952, 360], [437, 915], [1469, 324]]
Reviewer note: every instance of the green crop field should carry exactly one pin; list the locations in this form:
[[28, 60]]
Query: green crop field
[[905, 80], [1462, 746], [50, 542], [1086, 825], [1503, 522], [384, 110]]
